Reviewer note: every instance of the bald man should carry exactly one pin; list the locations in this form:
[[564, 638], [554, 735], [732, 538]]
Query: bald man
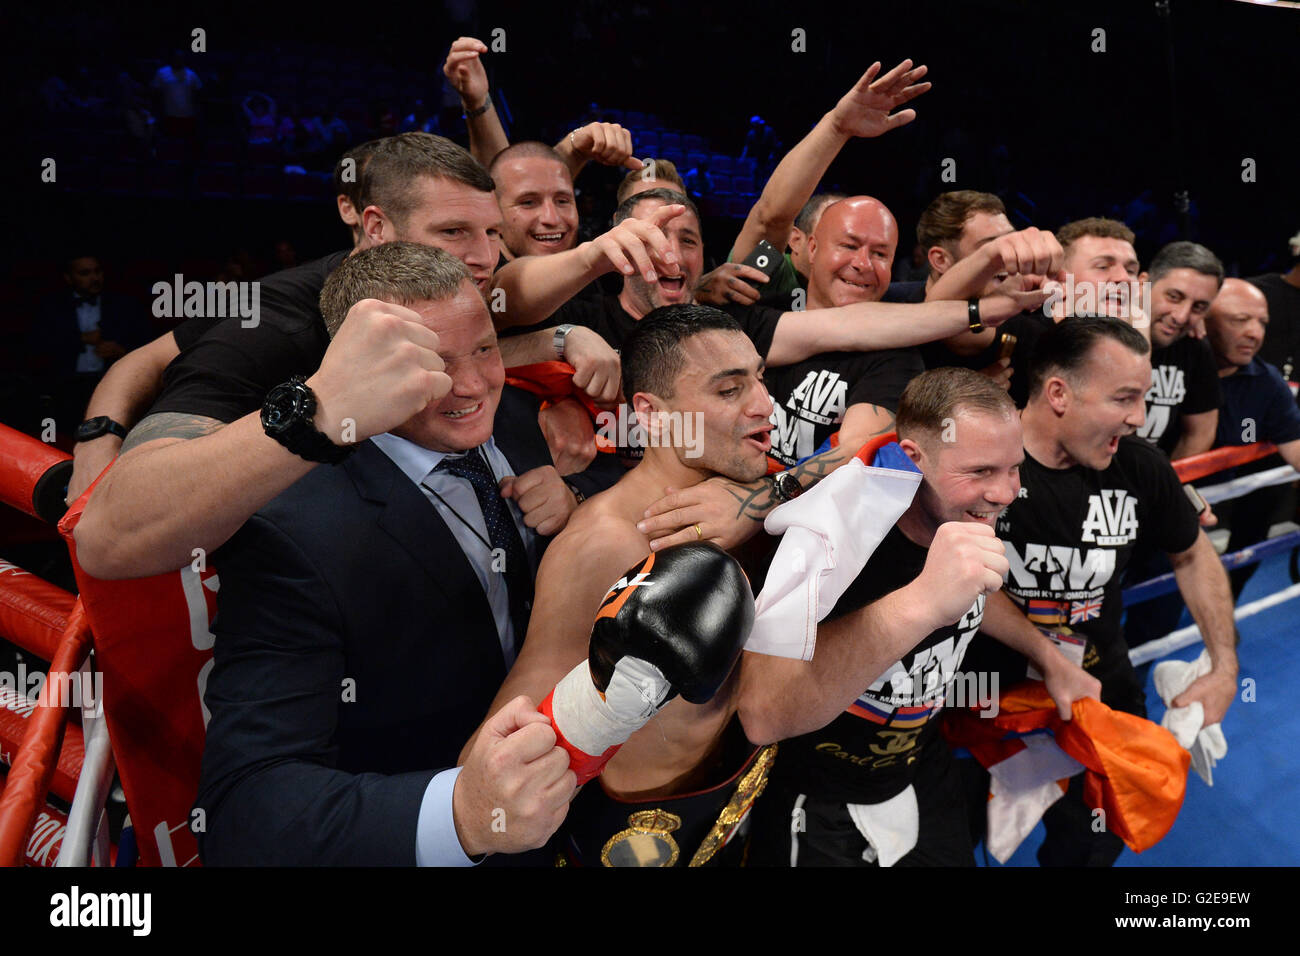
[[1257, 406], [850, 254]]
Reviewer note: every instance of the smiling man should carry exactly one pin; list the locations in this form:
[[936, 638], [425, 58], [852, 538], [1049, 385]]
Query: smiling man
[[200, 462], [876, 785], [1090, 494], [403, 574], [1183, 402], [689, 371], [850, 255], [535, 192]]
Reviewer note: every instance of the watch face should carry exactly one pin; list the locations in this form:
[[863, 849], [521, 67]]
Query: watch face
[[92, 428], [788, 487], [283, 407]]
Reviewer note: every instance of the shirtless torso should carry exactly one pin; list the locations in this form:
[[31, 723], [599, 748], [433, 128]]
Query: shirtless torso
[[584, 561]]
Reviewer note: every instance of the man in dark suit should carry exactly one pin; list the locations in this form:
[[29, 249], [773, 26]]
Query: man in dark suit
[[369, 613], [78, 333]]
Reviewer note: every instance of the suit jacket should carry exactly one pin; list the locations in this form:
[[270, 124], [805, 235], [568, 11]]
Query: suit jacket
[[55, 339], [355, 654]]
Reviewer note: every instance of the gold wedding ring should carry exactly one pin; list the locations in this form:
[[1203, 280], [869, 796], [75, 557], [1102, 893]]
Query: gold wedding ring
[[699, 535]]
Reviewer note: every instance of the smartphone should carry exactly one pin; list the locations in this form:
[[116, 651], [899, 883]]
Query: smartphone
[[1194, 496], [765, 258]]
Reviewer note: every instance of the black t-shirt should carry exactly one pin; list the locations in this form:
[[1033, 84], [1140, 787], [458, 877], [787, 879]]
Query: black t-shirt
[[1069, 537], [227, 371], [870, 752], [1184, 381], [911, 291], [1027, 327], [1282, 342], [810, 397]]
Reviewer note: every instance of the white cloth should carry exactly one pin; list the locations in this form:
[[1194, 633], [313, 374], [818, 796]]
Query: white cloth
[[1207, 745], [829, 532], [593, 722], [1021, 789], [890, 827]]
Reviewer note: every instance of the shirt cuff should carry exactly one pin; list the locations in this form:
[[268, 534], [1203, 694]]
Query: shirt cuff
[[436, 843]]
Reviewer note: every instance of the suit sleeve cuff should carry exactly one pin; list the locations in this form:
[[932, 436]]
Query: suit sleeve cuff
[[436, 843]]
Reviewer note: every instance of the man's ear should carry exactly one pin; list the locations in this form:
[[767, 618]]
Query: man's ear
[[346, 212], [798, 240], [940, 260], [1058, 394], [913, 451], [1142, 276], [646, 405], [810, 247], [375, 225]]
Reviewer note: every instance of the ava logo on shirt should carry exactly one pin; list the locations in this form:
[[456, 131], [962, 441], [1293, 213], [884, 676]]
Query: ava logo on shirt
[[1167, 386], [792, 436], [1112, 518], [820, 397], [932, 668], [1058, 570], [1167, 391]]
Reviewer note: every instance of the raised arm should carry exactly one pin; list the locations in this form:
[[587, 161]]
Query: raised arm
[[1024, 259], [464, 69], [864, 111], [781, 697], [871, 326], [531, 288], [186, 481], [607, 143]]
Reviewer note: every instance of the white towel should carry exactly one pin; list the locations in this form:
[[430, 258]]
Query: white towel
[[891, 828], [1207, 745], [828, 533]]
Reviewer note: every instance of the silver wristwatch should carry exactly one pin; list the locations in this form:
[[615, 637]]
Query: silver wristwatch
[[561, 332]]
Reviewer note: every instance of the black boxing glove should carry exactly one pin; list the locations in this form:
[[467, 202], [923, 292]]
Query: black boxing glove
[[674, 624]]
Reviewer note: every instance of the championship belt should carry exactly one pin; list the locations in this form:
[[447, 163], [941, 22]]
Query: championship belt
[[652, 833]]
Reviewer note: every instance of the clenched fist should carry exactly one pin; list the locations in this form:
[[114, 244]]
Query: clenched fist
[[965, 560], [543, 497], [514, 789], [381, 368]]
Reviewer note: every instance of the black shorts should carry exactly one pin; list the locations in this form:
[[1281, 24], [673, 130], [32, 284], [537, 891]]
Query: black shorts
[[830, 838]]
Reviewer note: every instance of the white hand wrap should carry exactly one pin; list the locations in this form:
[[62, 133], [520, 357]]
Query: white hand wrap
[[594, 724]]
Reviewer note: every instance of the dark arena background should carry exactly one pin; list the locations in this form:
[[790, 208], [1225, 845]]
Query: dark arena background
[[1178, 117]]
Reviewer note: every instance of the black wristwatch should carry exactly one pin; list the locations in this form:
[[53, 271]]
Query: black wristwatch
[[973, 315], [99, 426], [287, 417], [785, 486]]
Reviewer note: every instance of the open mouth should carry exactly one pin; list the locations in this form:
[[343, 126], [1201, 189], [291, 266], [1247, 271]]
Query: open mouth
[[672, 285], [987, 517], [761, 439], [462, 413], [1112, 446], [548, 239]]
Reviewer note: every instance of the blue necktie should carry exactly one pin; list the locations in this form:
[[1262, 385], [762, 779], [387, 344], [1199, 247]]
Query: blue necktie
[[503, 535]]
